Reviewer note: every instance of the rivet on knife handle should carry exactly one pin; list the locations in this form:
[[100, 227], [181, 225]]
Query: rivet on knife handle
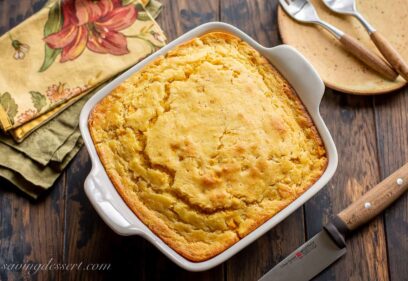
[[366, 56], [391, 54], [375, 200]]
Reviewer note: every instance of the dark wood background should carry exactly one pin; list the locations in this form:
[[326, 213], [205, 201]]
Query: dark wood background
[[371, 134]]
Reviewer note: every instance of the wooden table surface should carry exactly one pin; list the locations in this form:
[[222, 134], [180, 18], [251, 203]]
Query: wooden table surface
[[371, 134]]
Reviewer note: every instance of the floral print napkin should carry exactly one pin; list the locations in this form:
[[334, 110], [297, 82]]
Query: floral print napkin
[[47, 120], [67, 48], [22, 132]]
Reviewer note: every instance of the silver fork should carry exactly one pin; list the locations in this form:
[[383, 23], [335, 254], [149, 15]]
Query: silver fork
[[348, 7], [303, 11]]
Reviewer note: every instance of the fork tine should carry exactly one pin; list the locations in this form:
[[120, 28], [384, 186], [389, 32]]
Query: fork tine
[[291, 6], [301, 10], [286, 5]]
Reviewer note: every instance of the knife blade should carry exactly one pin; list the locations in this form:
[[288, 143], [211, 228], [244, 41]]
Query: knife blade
[[330, 244], [307, 261]]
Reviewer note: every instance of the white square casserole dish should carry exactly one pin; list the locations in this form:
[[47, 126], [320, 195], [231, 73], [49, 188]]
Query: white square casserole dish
[[114, 211]]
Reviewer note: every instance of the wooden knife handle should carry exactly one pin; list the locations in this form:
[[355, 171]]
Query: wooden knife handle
[[375, 200], [390, 54], [370, 59]]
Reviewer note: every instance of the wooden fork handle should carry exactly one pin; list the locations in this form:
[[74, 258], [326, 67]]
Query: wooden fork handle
[[372, 60], [374, 201], [390, 54]]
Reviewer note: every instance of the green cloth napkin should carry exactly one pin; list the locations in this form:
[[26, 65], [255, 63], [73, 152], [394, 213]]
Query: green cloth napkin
[[25, 183], [36, 163], [43, 144], [49, 142], [32, 171]]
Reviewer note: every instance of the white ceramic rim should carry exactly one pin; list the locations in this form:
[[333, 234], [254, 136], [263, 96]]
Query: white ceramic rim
[[114, 211]]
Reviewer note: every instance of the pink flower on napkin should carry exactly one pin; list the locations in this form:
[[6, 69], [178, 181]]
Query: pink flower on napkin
[[56, 93], [94, 25]]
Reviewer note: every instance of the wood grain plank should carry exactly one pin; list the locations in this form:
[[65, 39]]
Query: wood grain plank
[[351, 122], [392, 140], [258, 19], [181, 16], [30, 231], [88, 238], [14, 12]]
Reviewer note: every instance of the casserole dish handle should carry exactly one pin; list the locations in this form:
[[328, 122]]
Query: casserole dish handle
[[101, 200], [299, 72]]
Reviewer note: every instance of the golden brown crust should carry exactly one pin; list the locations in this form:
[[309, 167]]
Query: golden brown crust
[[206, 144]]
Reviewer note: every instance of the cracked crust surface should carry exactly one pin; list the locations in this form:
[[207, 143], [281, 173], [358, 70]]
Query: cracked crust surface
[[206, 144]]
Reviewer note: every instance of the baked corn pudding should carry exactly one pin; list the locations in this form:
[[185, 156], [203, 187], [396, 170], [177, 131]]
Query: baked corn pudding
[[207, 143]]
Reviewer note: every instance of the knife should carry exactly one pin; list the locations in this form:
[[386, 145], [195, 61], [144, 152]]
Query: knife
[[330, 244]]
